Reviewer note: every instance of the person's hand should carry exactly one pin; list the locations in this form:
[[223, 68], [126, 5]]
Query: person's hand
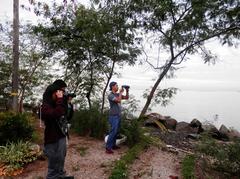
[[121, 90], [59, 94]]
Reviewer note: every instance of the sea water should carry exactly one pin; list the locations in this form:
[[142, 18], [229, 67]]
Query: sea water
[[216, 107]]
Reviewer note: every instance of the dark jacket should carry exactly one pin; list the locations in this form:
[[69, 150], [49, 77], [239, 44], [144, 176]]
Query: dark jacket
[[51, 112], [70, 112]]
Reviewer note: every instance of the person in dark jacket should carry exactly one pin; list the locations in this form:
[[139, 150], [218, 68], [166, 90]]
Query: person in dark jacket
[[53, 108]]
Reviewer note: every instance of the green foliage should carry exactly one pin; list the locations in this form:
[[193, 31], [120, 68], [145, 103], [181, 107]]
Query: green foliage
[[15, 155], [188, 165], [89, 122], [82, 150], [15, 127], [223, 157], [33, 64], [120, 171], [131, 129], [130, 106], [162, 96], [91, 43]]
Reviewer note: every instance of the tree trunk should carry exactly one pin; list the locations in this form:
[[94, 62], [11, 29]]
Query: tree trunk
[[15, 55], [150, 96], [21, 100], [90, 88], [105, 89]]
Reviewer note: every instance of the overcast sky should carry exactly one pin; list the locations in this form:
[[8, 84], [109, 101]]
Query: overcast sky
[[195, 75]]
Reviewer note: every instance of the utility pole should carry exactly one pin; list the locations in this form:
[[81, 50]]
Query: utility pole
[[15, 66]]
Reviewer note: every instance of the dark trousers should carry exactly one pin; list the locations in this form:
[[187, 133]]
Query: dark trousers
[[56, 153], [114, 121]]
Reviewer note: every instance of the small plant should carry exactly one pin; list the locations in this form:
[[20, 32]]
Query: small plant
[[76, 167], [82, 151], [188, 164], [14, 156]]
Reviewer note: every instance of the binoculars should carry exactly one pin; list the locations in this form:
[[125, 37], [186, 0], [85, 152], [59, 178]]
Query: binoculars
[[126, 87]]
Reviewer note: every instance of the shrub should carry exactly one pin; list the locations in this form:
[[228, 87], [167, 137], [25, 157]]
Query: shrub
[[15, 127], [14, 155], [223, 157], [131, 128], [89, 122]]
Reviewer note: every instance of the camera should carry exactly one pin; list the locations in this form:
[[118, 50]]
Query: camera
[[66, 94], [73, 95], [126, 87]]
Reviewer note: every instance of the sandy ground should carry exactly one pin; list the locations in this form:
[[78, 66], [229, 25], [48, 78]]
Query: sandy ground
[[155, 164], [86, 159]]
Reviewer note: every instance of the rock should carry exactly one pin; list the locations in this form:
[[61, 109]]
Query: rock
[[233, 133], [193, 136], [185, 127], [211, 130], [196, 124], [120, 139], [224, 132], [155, 116], [170, 123], [150, 122]]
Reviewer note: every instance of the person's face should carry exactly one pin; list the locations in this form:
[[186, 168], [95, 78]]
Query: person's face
[[54, 96], [115, 88]]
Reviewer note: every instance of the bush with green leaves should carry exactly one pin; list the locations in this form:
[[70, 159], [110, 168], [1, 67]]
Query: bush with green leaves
[[223, 157], [89, 122], [15, 155], [15, 127], [131, 129]]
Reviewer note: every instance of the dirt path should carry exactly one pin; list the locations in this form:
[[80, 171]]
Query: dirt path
[[155, 164], [86, 159]]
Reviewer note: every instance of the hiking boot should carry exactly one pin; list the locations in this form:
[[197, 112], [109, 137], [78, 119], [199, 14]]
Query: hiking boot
[[109, 151], [116, 147]]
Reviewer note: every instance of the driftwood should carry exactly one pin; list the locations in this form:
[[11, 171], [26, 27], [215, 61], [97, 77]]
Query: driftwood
[[175, 149]]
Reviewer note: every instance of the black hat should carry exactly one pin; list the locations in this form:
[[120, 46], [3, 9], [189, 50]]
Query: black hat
[[60, 83], [112, 84]]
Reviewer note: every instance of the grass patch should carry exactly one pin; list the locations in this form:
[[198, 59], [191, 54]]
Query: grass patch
[[188, 164], [82, 151], [120, 171]]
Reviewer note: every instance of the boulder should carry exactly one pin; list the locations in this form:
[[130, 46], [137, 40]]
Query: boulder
[[155, 116], [196, 124], [185, 127], [170, 123], [150, 122], [233, 133], [211, 130], [153, 119], [224, 132]]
